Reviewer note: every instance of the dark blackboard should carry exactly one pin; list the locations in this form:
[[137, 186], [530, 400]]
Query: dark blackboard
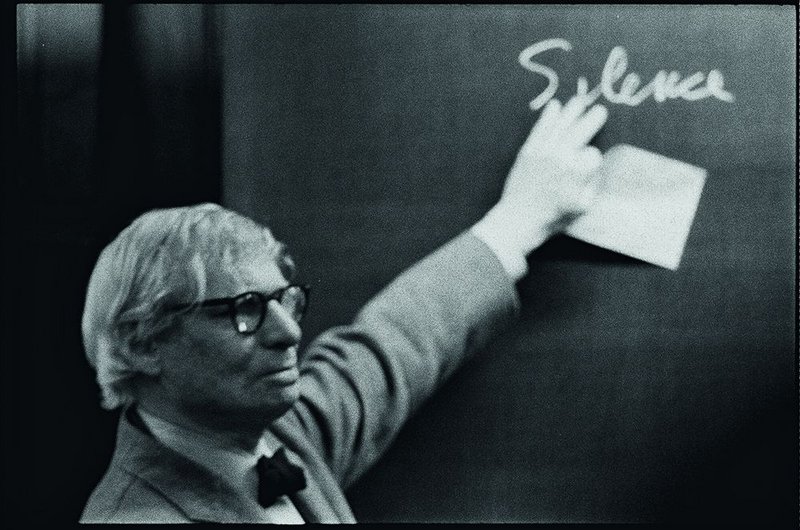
[[366, 136]]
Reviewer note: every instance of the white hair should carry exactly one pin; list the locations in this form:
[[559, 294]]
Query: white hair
[[161, 258]]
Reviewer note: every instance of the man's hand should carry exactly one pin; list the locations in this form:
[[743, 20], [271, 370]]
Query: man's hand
[[553, 180]]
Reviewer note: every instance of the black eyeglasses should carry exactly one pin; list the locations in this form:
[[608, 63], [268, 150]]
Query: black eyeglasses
[[248, 310]]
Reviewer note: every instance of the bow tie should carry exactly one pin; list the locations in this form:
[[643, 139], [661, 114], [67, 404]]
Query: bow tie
[[277, 476]]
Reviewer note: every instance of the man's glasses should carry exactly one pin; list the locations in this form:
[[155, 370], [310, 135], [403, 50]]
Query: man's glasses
[[248, 310]]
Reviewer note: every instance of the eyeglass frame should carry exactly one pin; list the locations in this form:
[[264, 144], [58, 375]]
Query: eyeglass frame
[[230, 301]]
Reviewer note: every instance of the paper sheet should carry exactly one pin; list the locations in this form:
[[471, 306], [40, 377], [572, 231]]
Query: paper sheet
[[645, 207]]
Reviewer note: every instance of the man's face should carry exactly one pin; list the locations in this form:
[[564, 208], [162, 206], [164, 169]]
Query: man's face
[[215, 375]]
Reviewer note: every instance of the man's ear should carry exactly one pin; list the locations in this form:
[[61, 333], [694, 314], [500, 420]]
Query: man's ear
[[146, 357]]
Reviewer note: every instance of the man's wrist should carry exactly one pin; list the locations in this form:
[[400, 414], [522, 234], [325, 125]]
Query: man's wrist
[[513, 262], [510, 239]]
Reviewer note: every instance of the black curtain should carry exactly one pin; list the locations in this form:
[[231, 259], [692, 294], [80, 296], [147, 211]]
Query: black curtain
[[117, 112]]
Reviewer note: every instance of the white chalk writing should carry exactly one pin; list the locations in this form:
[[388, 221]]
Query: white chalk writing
[[664, 85]]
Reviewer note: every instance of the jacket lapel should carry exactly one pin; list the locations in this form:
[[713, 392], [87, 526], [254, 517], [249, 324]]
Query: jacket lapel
[[322, 500]]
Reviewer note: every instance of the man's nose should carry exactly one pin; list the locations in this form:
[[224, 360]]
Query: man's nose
[[279, 328]]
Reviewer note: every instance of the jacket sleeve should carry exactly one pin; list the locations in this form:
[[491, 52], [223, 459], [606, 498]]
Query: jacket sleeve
[[360, 383]]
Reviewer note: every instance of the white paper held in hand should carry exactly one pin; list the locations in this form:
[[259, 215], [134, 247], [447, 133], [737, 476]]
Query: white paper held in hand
[[645, 206]]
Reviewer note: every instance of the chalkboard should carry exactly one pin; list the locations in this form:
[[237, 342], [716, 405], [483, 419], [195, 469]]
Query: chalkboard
[[366, 136]]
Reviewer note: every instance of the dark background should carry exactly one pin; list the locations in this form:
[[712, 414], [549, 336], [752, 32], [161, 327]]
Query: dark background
[[366, 136]]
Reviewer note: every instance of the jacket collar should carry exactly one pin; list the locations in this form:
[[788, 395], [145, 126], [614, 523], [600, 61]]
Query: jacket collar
[[201, 494]]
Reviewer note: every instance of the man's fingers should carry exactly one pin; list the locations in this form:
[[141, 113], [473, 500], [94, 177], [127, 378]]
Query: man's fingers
[[585, 161], [572, 110], [591, 158], [587, 126], [547, 119]]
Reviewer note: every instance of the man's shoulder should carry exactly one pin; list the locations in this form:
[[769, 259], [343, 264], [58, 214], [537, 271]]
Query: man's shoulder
[[123, 497], [129, 491]]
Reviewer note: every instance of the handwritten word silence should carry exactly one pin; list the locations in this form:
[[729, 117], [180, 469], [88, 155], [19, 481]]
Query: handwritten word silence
[[662, 87]]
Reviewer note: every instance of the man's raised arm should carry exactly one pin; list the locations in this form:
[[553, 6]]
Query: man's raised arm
[[360, 383]]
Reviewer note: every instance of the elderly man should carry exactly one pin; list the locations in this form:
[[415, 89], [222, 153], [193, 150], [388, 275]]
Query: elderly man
[[192, 325]]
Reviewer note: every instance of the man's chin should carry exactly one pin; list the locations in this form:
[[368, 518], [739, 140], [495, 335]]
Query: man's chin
[[278, 409], [278, 405]]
